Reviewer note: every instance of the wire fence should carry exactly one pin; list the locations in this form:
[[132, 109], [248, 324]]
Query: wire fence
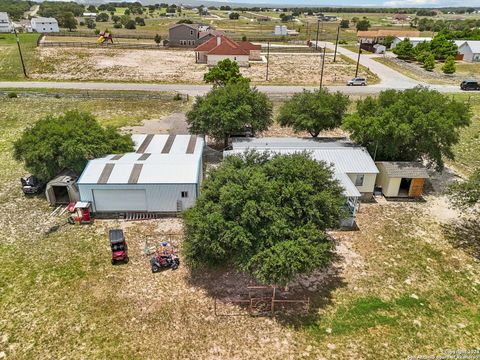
[[80, 44], [88, 35]]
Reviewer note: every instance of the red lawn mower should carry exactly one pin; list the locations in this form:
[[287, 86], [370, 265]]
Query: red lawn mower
[[164, 258]]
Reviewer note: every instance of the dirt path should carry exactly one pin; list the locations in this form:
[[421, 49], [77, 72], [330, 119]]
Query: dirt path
[[171, 124]]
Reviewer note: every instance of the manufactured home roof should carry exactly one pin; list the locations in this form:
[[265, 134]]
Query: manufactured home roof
[[159, 159], [344, 157], [404, 169], [44, 20]]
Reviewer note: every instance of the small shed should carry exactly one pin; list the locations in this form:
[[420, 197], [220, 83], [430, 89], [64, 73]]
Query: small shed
[[401, 178], [62, 189]]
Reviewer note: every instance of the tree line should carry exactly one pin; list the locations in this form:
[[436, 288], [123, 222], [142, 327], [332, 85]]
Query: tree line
[[15, 8]]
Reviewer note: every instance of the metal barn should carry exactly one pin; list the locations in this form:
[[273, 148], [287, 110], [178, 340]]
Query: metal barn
[[162, 176]]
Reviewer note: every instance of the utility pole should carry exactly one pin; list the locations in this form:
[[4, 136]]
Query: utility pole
[[358, 59], [20, 52], [318, 29], [336, 44], [323, 65], [268, 58]]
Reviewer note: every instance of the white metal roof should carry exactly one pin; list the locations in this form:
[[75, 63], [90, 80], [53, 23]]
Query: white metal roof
[[173, 167], [344, 157], [4, 17], [43, 20], [415, 38], [474, 45]]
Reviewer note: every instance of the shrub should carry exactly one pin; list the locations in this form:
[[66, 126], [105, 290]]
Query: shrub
[[12, 95], [429, 63], [130, 25], [449, 66]]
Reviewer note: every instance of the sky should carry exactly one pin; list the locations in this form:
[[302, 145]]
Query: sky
[[359, 3]]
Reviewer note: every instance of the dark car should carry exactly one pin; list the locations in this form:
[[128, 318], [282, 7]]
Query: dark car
[[470, 85]]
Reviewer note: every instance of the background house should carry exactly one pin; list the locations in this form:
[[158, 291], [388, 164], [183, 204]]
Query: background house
[[378, 36], [470, 50], [5, 24], [401, 178], [162, 176], [44, 25], [190, 35], [221, 47], [413, 40]]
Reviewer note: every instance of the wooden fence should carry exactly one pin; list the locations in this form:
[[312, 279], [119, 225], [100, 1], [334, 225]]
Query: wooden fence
[[119, 36]]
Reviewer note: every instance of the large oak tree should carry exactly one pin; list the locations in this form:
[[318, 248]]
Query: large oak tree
[[414, 124], [67, 142], [265, 215]]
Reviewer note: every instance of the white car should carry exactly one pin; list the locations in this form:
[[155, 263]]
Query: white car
[[358, 81]]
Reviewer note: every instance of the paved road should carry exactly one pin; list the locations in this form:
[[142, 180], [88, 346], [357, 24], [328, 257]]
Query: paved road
[[388, 77], [194, 90]]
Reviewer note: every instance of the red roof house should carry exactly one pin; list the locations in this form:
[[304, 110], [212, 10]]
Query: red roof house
[[221, 47]]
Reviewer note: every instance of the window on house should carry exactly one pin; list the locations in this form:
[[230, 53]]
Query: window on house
[[359, 180], [184, 194], [191, 32]]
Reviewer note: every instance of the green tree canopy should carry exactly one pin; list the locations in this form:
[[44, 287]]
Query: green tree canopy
[[265, 216], [363, 25], [224, 72], [67, 20], [442, 48], [404, 49], [314, 111], [67, 142], [230, 109], [345, 24], [409, 125]]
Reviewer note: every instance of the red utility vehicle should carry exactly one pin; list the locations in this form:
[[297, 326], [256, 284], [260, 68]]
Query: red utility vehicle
[[119, 246], [80, 213]]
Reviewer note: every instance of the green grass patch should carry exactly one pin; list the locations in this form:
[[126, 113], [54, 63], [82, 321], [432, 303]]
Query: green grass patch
[[10, 64]]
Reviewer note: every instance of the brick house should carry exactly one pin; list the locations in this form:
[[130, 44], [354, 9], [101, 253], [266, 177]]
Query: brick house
[[221, 47]]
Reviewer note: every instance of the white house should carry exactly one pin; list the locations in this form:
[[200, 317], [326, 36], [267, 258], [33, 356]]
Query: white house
[[89, 14], [352, 165], [162, 176], [470, 50], [413, 40], [44, 25], [5, 24]]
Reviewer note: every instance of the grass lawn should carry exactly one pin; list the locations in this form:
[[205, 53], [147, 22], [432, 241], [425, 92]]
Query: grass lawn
[[467, 152], [399, 286], [10, 65]]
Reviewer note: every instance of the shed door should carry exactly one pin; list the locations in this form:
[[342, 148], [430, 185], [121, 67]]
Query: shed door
[[120, 200], [416, 188]]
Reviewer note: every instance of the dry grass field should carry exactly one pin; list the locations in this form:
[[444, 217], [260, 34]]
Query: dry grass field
[[407, 283], [177, 66]]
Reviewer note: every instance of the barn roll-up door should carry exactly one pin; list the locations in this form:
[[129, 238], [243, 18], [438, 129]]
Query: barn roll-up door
[[120, 200]]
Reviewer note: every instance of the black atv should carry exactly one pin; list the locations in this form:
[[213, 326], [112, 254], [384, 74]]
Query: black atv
[[31, 185]]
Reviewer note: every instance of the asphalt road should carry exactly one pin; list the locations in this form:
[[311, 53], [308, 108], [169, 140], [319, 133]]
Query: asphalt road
[[194, 90]]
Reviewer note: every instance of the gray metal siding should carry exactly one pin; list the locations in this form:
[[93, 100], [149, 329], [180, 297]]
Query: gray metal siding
[[180, 33], [160, 197]]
